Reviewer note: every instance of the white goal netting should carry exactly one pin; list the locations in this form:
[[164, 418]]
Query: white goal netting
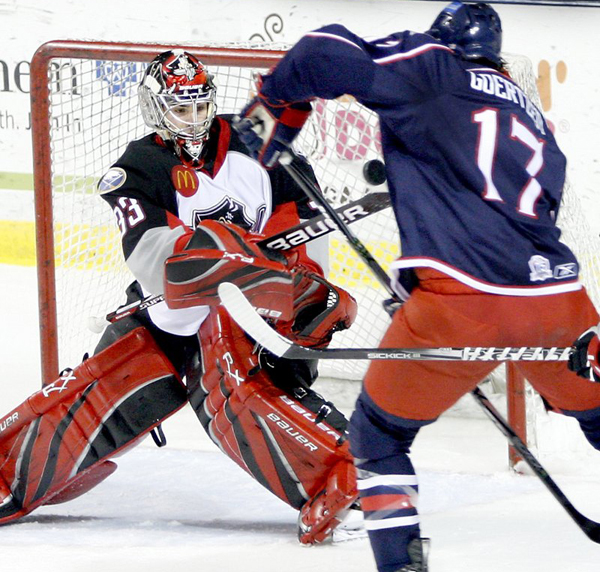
[[93, 114]]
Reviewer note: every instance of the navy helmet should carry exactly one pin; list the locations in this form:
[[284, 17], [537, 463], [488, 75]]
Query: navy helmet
[[474, 31]]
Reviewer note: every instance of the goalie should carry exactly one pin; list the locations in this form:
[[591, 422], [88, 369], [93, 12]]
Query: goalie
[[190, 202]]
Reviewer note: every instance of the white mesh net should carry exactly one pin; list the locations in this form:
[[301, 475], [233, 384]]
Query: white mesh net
[[94, 114], [549, 433]]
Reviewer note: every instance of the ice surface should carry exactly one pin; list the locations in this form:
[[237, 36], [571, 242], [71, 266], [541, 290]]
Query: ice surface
[[186, 507]]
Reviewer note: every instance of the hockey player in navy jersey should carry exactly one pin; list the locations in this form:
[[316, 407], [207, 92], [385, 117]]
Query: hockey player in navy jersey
[[190, 203], [475, 177]]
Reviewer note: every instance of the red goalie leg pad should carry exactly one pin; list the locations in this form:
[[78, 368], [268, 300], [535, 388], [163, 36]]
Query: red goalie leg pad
[[322, 513], [280, 442], [294, 445], [55, 444], [84, 482]]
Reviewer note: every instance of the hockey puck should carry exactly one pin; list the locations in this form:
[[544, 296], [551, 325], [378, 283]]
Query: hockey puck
[[374, 172]]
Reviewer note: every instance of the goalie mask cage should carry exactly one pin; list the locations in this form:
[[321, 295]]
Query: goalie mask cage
[[84, 113]]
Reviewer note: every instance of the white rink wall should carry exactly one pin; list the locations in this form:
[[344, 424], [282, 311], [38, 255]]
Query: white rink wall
[[562, 42]]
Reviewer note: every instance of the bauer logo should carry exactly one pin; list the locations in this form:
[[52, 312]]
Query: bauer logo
[[6, 423], [113, 179], [292, 431]]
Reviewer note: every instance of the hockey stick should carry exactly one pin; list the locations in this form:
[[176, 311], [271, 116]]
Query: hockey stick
[[311, 190], [302, 233], [247, 314], [590, 528], [250, 321], [322, 224]]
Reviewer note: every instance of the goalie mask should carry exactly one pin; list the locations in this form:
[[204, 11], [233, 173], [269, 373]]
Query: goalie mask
[[177, 99], [472, 30]]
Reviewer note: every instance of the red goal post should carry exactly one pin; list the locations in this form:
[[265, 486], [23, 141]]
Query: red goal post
[[84, 112]]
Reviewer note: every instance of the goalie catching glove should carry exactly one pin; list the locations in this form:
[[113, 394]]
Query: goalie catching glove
[[585, 358], [268, 127], [320, 310]]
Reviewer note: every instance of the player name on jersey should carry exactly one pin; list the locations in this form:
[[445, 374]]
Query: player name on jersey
[[497, 85]]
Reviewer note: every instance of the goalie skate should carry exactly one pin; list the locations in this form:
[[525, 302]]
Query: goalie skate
[[351, 527]]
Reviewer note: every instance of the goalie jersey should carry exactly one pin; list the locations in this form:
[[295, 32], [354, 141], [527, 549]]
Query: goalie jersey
[[156, 200], [474, 172]]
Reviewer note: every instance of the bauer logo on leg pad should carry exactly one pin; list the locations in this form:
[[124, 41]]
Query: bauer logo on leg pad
[[310, 416], [8, 421], [291, 431]]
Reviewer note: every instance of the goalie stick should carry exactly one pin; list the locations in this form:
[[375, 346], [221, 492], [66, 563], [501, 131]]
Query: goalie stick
[[302, 233], [244, 314], [250, 321]]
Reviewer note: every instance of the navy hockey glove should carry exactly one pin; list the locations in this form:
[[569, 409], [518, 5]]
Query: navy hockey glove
[[267, 128], [585, 358]]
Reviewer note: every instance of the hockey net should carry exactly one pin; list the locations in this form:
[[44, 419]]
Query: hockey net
[[84, 113]]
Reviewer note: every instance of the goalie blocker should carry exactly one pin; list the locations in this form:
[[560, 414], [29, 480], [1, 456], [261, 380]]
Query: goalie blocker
[[215, 252]]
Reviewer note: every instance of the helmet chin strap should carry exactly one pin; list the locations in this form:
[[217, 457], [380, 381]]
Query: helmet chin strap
[[189, 152]]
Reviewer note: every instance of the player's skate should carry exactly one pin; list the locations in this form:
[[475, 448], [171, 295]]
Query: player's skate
[[418, 550]]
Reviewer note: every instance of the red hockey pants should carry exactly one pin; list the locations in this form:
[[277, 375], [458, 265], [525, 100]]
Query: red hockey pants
[[442, 312]]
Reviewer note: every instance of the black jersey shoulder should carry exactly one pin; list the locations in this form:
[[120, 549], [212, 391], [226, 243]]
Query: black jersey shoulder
[[147, 164]]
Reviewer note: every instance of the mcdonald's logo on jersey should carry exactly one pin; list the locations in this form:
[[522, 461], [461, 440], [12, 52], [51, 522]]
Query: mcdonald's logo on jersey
[[184, 180]]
